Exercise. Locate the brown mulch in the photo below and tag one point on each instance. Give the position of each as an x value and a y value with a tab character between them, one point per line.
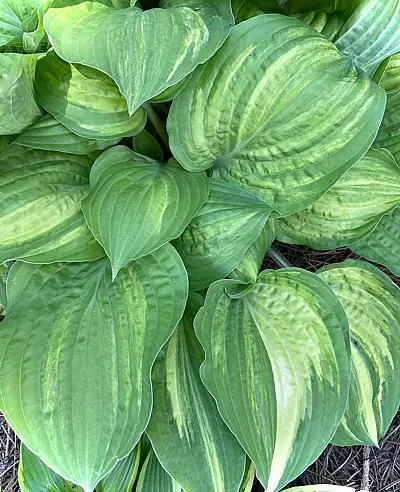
337	465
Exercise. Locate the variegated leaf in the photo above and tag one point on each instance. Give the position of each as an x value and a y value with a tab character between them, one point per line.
271	390
153	477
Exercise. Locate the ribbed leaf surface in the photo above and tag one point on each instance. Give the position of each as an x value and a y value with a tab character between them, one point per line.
41	218
153	477
76	361
351	209
277	111
372	305
217	239
389	133
271	390
136	206
186	431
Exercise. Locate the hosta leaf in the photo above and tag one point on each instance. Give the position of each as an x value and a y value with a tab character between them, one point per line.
245	9
123	475
389	133
271	390
351	209
153	477
4	140
217	239
248	478
249	268
171	92
85	100
3	280
144	52
390	80
345	6
328	25
372	33
382	245
33	475
49	134
372	305
285	132
18	108
136	206
146	144
186	431
75	386
41	218
321	488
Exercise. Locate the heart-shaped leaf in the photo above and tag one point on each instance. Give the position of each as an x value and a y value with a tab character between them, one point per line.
351	209
144	52
76	361
18	108
372	304
271	390
41	218
49	134
186	431
85	100
278	111
382	245
372	33
136	206
217	239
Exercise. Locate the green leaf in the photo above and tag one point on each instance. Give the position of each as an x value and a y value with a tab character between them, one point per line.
372	304
390	80
249	268
321	488
75	362
245	9
171	92
389	133
345	6
18	108
328	25
217	239
351	209
186	431
172	42
4	140
145	144
123	475
33	475
41	219
248	478
153	477
382	245
272	391
136	206
48	134
372	33
4	268
85	100
286	132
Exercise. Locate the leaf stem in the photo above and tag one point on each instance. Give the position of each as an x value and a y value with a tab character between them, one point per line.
278	258
156	122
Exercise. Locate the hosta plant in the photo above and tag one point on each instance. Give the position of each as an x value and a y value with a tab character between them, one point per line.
150	154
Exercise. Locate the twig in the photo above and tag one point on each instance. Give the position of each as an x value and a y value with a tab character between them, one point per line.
278	258
156	122
365	483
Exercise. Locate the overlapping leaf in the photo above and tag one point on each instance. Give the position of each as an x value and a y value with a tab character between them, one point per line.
328	24
277	111
345	6
18	108
41	218
217	239
372	305
49	134
147	145
136	206
389	133
249	268
144	52
153	477
76	360
123	475
85	100
186	431
382	245
372	33
390	80
271	390
351	209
